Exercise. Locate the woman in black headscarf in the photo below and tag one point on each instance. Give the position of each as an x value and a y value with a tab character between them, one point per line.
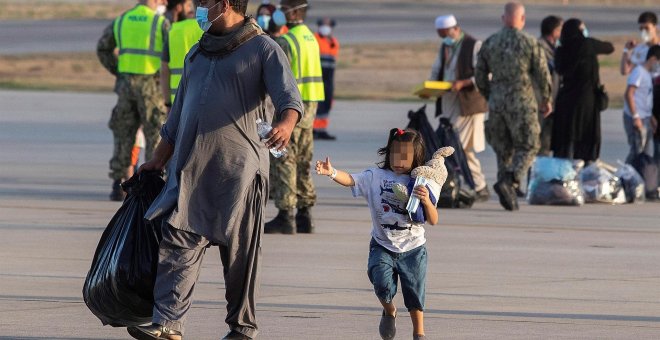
576	130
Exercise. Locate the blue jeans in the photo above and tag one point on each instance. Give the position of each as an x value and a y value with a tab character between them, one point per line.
386	268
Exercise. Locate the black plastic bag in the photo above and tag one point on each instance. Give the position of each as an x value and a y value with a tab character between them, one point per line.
119	286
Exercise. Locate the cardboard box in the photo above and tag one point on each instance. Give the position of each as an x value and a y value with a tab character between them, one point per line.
432	88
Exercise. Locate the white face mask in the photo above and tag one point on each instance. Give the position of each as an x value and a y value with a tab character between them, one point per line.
161	9
325	30
645	36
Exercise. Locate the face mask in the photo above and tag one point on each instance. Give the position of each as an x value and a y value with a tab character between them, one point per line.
557	43
585	32
325	30
202	16
645	36
448	41
161	9
279	18
263	21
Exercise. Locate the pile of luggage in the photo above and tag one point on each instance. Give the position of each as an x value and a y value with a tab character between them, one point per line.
552	181
556	181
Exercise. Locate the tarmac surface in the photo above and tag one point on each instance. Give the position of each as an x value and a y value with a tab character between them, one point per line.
358	22
586	272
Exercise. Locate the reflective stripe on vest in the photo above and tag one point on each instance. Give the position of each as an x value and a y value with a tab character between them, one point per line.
328	61
183	35
139	37
306	63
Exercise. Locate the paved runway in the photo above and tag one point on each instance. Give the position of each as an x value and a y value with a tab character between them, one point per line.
543	272
359	22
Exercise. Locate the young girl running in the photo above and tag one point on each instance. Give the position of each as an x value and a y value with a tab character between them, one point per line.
397	248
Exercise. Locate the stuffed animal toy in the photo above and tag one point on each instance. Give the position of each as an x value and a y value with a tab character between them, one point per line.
434	170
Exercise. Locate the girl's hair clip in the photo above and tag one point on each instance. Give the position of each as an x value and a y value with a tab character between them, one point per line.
399	132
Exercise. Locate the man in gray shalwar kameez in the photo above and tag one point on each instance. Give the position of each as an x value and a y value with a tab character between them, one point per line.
218	167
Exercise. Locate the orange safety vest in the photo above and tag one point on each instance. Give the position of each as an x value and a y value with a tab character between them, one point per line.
329	49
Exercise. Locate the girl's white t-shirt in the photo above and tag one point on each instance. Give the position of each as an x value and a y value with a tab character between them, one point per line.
391	225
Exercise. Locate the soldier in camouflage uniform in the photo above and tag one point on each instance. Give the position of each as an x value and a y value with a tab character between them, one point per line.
140	102
513	60
291	181
292	184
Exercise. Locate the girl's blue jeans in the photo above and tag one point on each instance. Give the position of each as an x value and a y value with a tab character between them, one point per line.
386	268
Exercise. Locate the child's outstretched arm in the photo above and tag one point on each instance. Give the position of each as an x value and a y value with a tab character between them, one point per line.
341	177
430	210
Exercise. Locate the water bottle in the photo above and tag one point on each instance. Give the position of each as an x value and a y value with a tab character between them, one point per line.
263	128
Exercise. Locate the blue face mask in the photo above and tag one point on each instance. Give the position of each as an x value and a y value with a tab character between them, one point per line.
202	16
585	32
448	41
263	21
279	18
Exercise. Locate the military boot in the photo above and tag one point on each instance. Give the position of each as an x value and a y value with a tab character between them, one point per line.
304	222
283	223
516	190
506	192
117	193
519	192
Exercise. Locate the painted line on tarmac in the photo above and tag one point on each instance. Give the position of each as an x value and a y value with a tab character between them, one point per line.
530	315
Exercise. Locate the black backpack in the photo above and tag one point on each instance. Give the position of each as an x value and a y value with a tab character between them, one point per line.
454	193
457	192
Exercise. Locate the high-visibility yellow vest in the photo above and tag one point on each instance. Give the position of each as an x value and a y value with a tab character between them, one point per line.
183	35
139	37
306	63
